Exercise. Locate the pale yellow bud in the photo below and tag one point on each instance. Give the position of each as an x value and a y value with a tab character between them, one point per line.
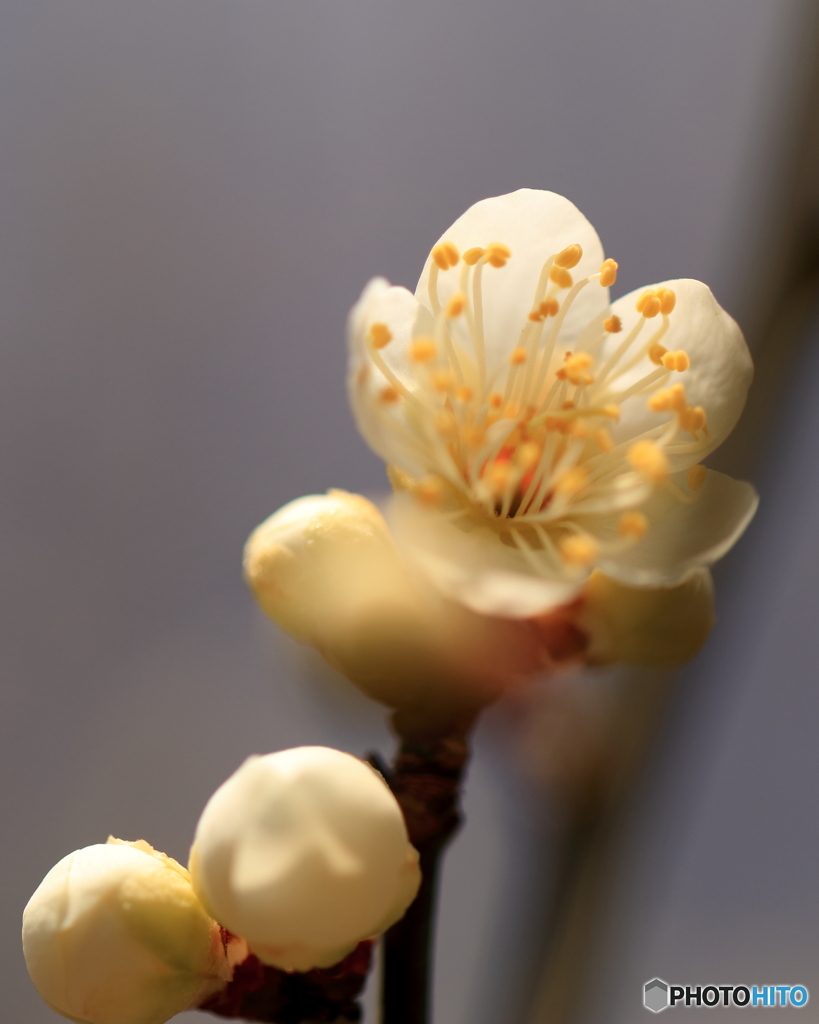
304	853
116	935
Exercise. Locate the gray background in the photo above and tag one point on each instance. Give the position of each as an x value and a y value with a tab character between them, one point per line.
192	194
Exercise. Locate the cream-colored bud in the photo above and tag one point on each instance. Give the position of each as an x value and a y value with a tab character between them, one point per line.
315	558
115	934
304	853
663	626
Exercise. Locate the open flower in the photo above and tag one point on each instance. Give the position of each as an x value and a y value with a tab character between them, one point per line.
534	432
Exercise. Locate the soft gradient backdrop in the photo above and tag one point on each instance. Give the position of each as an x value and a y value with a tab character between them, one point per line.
192	194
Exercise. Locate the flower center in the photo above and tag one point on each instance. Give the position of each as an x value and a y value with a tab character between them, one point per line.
522	441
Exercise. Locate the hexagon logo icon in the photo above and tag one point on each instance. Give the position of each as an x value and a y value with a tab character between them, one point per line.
655	995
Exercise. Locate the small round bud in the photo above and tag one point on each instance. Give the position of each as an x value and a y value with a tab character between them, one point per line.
304	853
115	934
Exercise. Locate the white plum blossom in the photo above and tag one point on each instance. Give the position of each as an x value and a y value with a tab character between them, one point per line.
304	853
533	431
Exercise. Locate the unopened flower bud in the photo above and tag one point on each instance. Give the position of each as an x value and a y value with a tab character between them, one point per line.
115	934
304	853
662	626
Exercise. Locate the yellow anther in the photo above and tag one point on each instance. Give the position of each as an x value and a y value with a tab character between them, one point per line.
499	477
613	325
452	252
445	422
649	460
497	254
632	525
562	278
608	273
517	356
656	353
579	549
528	455
422	350
443	380
668	300
464	393
455	306
548	307
611	412
649	304
668	398
380	335
388	395
578	428
696	477
693	419
571	481
429	490
495	400
471	256
569	257
603	440
576	369
565	406
678	360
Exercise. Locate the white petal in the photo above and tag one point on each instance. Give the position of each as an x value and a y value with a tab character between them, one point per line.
474	567
719	375
384	426
534	225
681	537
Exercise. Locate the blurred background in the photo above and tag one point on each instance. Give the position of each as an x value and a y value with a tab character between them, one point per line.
192	195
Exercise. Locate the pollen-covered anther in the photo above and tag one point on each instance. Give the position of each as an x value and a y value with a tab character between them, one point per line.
569	257
611	412
577	369
608	273
445	255
678	360
517	356
499	477
693	419
443	380
429	490
632	525
388	395
380	335
579	549
613	325
667	399
549	307
668	300
560	276
649	304
423	350
496	254
571	481
527	455
649	460
464	393
495	400
578	428
455	305
656	352
471	256
696	476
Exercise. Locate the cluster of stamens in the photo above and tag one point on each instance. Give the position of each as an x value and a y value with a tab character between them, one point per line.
525	445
